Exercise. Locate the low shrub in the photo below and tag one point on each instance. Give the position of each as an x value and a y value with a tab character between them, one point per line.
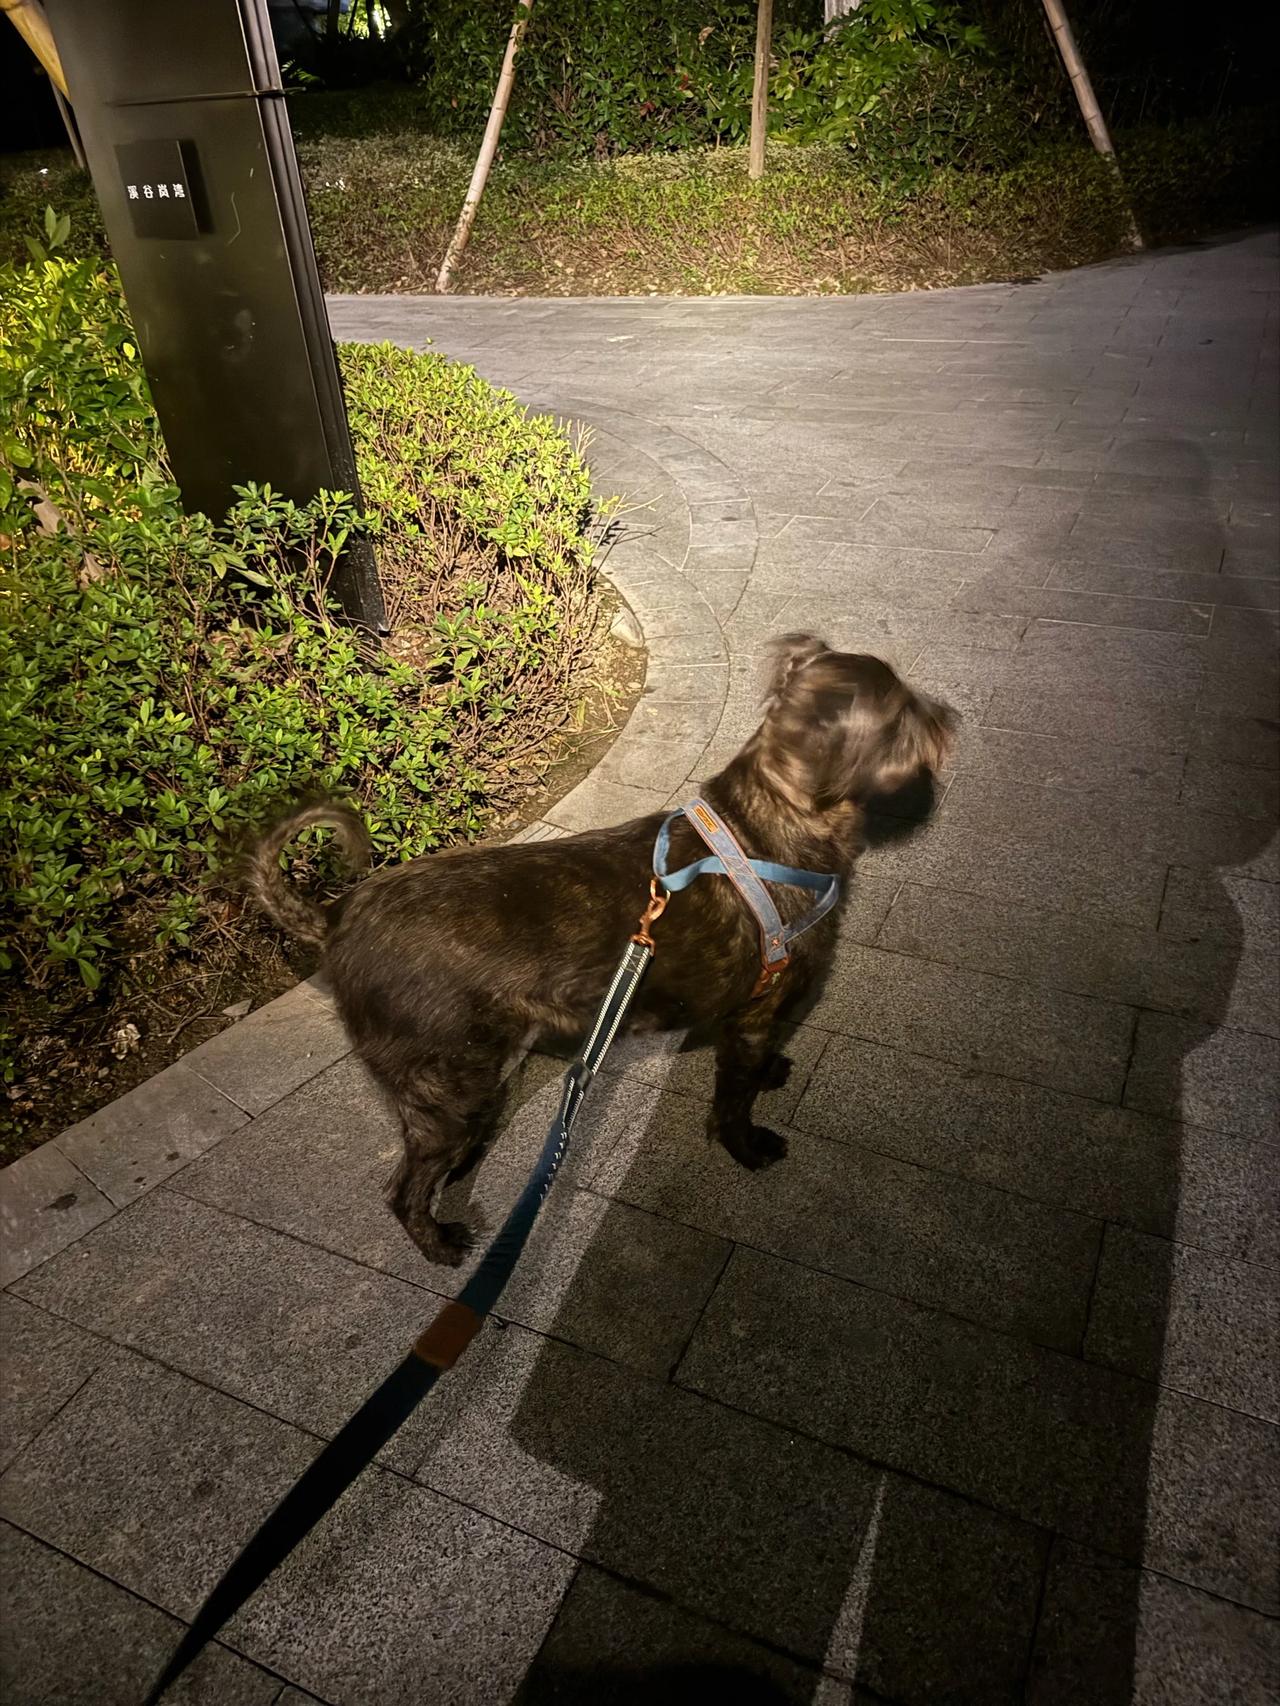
165	681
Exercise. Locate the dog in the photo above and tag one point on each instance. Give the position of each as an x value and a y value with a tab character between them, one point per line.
447	969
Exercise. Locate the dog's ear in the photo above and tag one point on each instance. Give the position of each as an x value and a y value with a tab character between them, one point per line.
787	657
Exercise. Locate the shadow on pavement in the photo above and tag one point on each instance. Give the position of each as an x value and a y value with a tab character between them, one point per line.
952	1524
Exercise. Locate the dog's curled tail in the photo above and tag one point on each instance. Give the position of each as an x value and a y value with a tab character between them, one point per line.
267	885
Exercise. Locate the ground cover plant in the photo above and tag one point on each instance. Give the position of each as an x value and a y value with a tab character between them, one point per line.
164	682
383	207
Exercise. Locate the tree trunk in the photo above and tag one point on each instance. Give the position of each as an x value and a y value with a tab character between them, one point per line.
488	148
760	88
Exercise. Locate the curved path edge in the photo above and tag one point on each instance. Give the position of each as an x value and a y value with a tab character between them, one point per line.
75	1181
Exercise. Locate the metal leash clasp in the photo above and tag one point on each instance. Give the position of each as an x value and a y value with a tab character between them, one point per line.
658	898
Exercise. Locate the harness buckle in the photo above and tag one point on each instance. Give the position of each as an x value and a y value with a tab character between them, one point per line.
770	972
658	898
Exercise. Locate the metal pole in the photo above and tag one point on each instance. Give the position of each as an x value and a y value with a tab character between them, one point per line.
181	111
488	148
760	89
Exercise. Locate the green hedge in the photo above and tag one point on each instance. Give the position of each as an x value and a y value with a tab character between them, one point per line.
602	77
165	682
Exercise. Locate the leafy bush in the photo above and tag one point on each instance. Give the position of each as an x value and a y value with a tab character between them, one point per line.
1187	179
597	79
907	84
163	681
28	183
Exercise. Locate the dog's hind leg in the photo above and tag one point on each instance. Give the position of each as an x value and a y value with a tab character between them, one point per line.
443	1140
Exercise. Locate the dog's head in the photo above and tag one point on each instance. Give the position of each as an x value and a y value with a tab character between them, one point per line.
841	726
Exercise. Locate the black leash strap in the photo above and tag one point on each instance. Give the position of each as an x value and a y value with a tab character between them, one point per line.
351	1451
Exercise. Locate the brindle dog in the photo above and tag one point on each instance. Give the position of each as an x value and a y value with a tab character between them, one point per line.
447	970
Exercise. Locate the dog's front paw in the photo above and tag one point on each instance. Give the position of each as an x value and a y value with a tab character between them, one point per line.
453	1243
755	1146
776	1072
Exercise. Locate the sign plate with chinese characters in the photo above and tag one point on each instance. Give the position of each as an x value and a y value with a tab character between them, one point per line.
158	179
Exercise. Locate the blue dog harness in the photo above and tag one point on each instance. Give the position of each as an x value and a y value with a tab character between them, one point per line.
748	876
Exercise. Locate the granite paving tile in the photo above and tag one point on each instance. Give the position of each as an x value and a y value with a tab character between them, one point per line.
608	1277
256	1062
1152	585
1108	646
1092	609
1221	1193
74	1638
614	1645
1092	713
247	1310
156	1482
1224	1080
1193	1320
316	1165
153	1480
1052	1038
1090	1453
145	1136
1141	773
1234	788
45	1204
844	1208
1221	906
964	677
1022	870
676	1061
1112	829
1059	950
46	1362
1110	1635
760	1530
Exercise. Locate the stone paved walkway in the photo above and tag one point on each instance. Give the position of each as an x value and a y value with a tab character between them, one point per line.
974	1398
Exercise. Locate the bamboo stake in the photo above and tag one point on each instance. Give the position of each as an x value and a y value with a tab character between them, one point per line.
27	17
488	148
760	88
1087	101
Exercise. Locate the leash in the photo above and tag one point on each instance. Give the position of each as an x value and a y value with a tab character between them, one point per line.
435	1351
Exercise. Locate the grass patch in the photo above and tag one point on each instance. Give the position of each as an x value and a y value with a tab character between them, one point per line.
383	207
165	683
